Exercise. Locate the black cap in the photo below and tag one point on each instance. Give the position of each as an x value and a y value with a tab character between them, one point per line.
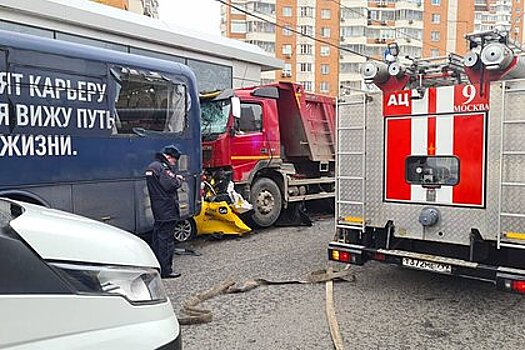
171	150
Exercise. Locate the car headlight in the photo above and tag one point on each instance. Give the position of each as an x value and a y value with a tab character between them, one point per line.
137	284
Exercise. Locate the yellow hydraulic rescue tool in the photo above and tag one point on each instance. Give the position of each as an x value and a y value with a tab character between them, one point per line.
220	217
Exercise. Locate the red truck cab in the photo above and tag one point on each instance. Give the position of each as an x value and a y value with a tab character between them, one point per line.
267	137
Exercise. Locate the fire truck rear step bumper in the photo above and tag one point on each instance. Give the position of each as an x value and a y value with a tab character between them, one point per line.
503	277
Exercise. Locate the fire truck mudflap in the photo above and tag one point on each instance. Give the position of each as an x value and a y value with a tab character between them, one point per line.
430	172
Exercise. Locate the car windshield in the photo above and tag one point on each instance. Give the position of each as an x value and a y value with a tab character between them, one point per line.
214	116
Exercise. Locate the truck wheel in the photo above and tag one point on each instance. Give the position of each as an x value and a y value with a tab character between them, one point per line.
185	231
267	202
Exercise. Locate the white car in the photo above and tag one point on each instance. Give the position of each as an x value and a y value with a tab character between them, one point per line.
68	282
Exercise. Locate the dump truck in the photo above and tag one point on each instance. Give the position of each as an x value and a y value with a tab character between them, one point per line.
430	169
275	142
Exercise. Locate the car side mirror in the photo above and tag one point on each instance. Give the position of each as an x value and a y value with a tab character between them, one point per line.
236	107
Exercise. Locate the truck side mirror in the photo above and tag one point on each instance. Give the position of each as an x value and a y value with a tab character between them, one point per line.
236	107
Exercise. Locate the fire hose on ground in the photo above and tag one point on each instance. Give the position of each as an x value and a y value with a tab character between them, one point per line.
192	314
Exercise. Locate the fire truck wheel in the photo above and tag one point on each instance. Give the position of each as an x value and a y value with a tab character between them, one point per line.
185	231
267	202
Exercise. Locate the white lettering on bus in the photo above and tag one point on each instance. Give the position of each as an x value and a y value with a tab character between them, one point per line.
90	118
43	116
39	145
101	92
47	87
4	114
33	86
5	82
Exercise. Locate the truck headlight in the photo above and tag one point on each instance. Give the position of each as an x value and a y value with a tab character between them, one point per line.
136	284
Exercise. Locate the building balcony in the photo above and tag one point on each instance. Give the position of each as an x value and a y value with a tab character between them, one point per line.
409	5
409	23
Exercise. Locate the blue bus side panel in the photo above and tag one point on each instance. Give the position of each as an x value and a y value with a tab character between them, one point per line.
56	142
110	202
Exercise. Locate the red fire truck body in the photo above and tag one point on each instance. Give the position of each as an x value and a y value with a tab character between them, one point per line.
433	178
278	147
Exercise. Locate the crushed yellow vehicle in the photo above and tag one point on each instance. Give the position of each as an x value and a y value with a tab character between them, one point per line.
219	218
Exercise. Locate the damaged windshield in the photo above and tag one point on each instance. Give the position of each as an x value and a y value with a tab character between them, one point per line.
214	116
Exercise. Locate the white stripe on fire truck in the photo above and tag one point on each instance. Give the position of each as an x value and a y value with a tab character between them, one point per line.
444	134
444	147
445	99
420	105
419	141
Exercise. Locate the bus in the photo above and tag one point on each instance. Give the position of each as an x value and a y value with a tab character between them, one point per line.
79	125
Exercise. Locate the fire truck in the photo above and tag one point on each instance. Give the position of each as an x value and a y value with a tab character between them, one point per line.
275	142
431	169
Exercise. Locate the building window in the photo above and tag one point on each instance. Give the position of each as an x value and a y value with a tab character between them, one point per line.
434	53
287	50
238	27
287	31
239	5
306	11
435	36
325	69
287	11
305	67
305	49
260	27
326	13
436	18
306	30
307	85
352	31
349	67
267	46
325	50
436	2
324	87
287	70
325	32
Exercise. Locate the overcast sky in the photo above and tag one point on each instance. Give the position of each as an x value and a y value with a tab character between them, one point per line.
201	15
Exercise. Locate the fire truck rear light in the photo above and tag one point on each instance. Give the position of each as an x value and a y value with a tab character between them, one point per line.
518	286
379	257
508	284
345	256
335	254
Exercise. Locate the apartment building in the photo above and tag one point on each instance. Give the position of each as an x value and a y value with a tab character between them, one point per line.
501	14
286	28
367	26
422	28
144	7
446	22
342	28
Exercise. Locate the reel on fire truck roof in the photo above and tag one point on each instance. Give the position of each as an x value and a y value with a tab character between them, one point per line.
492	56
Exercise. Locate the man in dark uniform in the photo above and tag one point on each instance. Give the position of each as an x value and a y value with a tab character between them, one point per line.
163	184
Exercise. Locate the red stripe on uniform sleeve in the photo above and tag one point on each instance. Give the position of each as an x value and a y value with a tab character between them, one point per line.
398	148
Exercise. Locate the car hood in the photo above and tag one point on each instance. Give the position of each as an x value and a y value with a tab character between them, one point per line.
58	235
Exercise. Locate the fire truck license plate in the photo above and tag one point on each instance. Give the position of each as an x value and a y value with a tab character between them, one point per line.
426	265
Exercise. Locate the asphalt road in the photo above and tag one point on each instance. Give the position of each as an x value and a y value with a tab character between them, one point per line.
386	308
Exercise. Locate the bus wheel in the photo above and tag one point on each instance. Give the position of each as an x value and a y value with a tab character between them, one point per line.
267	201
185	231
